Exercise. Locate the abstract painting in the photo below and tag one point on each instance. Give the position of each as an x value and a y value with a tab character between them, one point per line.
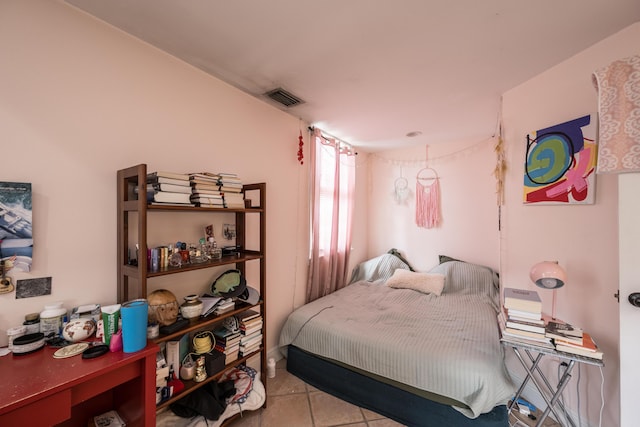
560	162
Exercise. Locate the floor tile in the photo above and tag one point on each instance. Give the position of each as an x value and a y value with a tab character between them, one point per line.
385	422
285	383
370	415
330	411
248	419
287	411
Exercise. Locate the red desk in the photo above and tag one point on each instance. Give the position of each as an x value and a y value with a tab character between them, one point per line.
38	390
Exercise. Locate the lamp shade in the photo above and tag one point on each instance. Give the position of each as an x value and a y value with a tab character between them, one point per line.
548	275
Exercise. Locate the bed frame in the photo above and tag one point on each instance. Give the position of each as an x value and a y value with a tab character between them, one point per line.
392	402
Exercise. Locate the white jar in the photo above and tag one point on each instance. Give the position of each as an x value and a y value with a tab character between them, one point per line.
52	319
13	333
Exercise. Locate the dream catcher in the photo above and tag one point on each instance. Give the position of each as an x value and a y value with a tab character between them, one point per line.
401	190
427	197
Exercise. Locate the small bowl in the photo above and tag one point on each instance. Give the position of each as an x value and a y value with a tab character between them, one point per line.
79	329
192	307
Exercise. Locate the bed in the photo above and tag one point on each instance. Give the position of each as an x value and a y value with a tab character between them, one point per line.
420	348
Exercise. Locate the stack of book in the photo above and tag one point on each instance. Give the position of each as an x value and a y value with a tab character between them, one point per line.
251	331
168	188
231	187
571	339
227	342
204	190
521	320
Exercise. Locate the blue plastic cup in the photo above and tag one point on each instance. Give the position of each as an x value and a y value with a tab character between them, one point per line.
134	325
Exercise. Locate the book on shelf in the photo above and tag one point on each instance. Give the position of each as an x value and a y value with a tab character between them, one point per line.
527	316
170	188
525	326
204	177
247	315
171	175
169	197
532	338
229	348
205	191
172	352
564	328
206	198
523	341
526	334
230	190
539	322
246	351
523	300
248	330
250	339
224	333
564	332
163	180
587	349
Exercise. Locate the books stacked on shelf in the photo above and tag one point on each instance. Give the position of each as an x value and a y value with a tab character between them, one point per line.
522	318
204	190
250	323
231	187
168	188
588	348
227	342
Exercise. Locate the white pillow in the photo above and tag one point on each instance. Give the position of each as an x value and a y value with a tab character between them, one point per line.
428	283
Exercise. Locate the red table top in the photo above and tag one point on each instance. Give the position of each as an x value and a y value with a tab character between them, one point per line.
29	377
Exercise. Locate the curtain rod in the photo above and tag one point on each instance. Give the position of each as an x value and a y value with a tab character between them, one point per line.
312	128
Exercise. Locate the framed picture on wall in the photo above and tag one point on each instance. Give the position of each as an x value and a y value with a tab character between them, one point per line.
16	234
560	161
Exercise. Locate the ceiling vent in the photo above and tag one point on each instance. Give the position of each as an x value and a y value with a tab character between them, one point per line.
283	97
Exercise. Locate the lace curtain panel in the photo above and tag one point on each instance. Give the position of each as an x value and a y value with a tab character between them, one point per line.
618	86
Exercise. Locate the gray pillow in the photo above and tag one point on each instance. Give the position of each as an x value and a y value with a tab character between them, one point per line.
381	267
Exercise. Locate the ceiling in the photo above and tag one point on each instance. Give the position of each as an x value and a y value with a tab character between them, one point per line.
372	71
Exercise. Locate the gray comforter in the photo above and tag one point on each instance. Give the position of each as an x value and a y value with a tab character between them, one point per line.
447	344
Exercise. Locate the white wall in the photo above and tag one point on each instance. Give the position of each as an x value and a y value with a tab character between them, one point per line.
79	100
582	238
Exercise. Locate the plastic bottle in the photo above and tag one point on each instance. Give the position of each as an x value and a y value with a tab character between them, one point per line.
271	368
52	319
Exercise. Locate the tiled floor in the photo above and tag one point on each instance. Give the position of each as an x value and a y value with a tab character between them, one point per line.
292	403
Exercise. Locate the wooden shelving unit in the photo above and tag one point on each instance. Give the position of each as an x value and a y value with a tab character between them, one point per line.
132	279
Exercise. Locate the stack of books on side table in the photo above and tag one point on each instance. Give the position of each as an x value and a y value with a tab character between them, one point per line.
571	339
521	320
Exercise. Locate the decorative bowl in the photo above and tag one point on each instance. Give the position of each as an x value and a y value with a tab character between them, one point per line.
192	307
79	329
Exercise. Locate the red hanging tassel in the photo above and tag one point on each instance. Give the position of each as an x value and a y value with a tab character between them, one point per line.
300	144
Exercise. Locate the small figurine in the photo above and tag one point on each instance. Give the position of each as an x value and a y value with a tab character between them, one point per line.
201	372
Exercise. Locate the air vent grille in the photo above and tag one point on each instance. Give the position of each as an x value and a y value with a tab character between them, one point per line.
283	97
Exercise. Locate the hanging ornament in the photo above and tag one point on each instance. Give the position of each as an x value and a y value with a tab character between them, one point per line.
300	145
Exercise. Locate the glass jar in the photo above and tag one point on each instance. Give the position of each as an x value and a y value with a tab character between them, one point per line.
214	251
191	308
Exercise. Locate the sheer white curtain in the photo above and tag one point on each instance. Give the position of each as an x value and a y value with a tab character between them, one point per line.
332	188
